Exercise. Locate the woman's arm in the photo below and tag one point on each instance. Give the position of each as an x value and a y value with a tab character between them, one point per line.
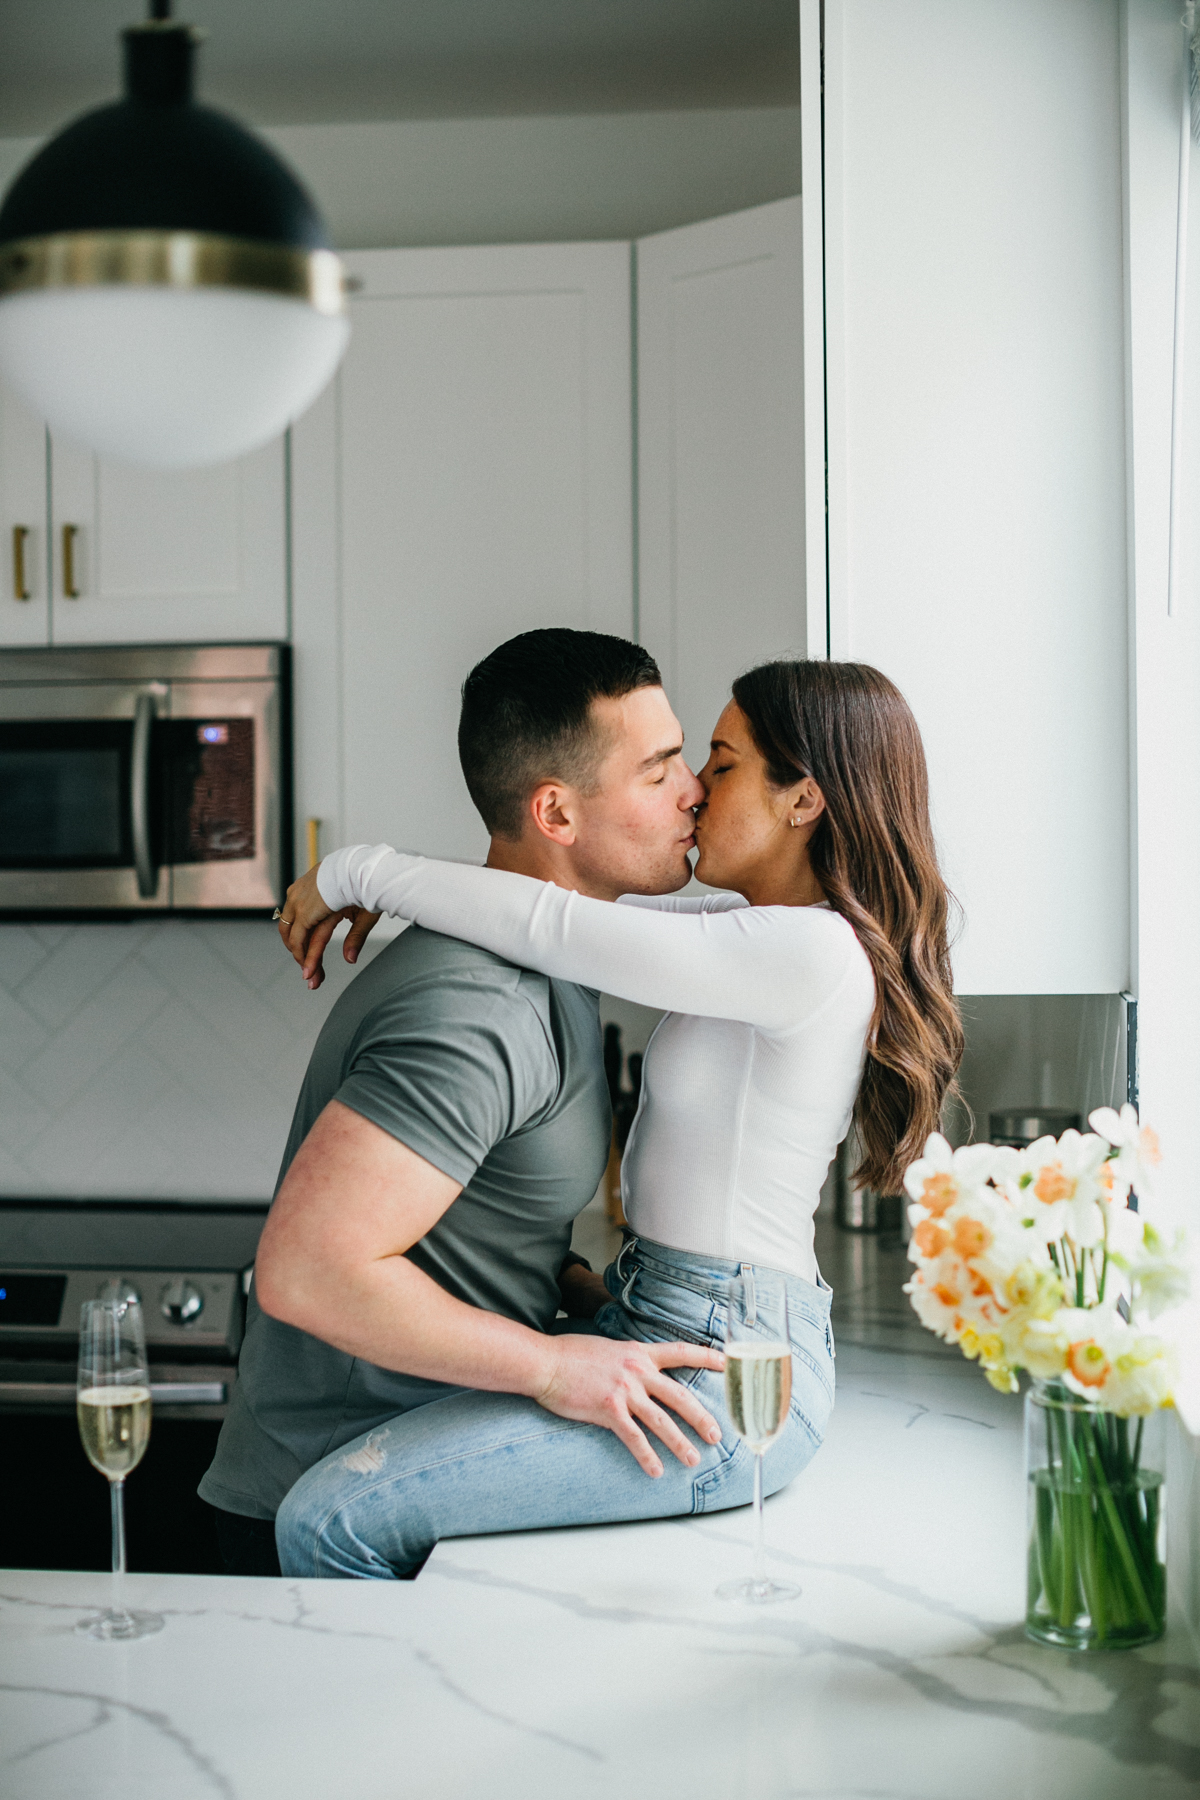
771	966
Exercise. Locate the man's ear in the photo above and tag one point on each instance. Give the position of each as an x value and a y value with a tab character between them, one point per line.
552	809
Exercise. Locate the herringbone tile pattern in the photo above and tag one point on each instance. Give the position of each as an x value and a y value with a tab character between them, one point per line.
157	1059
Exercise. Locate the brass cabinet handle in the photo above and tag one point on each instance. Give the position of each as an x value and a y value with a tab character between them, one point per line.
20	590
313	830
70	590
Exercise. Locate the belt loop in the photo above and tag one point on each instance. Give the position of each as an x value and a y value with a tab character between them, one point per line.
621	1273
746	1271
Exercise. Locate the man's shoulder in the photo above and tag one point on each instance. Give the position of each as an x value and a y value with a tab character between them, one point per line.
417	955
422	975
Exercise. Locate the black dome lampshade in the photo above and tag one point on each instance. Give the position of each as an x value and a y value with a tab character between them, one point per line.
168	294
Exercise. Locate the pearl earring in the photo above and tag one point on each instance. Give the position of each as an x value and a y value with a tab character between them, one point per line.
793	823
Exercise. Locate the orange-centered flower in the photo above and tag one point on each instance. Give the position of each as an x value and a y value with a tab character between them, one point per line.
930	1237
946	1294
939	1193
1054	1184
1088	1363
971	1237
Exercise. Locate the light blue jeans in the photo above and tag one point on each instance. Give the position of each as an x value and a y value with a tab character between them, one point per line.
473	1462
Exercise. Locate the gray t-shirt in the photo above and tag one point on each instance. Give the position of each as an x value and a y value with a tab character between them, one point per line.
494	1075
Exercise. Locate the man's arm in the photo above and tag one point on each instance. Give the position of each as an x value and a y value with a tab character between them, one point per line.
332	1262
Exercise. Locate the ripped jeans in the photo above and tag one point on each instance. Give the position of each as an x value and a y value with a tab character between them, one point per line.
471	1462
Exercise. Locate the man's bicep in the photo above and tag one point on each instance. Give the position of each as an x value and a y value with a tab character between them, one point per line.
354	1193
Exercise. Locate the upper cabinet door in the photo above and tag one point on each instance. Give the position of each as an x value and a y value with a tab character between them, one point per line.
190	556
977	362
721	455
24	609
485	451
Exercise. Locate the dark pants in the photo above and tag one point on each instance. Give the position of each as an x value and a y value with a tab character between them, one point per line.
247	1546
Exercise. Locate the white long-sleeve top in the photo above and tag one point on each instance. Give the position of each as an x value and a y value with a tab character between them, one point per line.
748	1082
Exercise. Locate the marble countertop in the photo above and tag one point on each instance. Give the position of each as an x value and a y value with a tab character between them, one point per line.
598	1662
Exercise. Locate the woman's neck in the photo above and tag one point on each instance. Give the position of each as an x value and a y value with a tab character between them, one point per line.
799	887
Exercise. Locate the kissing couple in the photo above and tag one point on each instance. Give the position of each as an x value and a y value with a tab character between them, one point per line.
405	1375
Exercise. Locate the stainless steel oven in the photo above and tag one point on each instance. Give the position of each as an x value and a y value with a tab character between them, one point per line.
189	1265
152	779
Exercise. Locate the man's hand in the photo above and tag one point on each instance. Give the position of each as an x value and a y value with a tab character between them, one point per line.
307	925
616	1383
331	1261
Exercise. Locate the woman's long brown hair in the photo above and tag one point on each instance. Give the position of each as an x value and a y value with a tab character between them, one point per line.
873	853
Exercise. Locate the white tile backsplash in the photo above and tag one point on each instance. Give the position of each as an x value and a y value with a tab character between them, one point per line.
156	1059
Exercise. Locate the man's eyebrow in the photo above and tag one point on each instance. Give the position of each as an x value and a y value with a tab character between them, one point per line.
661	756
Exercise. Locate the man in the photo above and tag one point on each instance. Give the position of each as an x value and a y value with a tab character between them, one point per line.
454	1120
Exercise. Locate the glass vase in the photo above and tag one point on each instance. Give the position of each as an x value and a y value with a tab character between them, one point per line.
1097	1529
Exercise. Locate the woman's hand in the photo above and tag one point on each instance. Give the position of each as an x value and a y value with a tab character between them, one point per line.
306	925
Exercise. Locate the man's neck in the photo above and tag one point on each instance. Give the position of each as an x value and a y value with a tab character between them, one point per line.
543	860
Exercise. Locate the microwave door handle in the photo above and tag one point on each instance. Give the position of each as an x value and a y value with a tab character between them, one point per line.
139	797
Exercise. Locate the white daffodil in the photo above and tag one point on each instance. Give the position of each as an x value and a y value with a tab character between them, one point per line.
1058	1190
1037	1344
1142	1377
1159	1273
1136	1145
942	1176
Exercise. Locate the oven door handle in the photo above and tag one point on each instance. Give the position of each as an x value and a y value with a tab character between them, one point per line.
162	1393
139	797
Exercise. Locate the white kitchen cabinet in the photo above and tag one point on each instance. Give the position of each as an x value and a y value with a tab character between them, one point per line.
977	446
721	428
480	444
150	556
24	602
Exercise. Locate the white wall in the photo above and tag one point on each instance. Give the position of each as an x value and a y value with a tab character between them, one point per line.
975	329
530	180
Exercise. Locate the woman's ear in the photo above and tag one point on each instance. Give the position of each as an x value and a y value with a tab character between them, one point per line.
806	802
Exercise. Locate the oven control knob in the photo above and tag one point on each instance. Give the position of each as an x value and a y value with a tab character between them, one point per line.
182	1303
119	1290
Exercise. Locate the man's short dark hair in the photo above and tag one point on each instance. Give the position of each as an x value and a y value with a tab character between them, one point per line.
526	716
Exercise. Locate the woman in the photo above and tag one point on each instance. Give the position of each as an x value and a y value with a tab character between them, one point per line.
815	991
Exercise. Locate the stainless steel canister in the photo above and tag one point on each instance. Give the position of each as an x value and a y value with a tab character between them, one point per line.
863	1208
1022	1125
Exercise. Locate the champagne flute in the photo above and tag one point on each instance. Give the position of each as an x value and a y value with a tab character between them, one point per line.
758	1390
112	1404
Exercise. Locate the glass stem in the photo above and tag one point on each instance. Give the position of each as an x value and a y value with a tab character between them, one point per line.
117	1496
760	1541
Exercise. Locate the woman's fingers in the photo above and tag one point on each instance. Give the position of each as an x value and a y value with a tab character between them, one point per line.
314	969
362	925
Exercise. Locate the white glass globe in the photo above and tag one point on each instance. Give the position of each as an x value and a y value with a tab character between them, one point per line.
169	378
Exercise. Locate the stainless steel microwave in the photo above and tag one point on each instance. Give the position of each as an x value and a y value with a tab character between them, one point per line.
146	780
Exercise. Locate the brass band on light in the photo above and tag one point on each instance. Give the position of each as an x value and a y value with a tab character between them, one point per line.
177	259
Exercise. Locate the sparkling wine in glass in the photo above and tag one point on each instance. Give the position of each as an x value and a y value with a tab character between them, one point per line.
758	1390
112	1404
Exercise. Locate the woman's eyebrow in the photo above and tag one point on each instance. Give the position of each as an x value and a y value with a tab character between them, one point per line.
720	744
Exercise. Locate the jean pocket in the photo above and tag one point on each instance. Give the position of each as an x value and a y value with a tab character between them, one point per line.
730	1483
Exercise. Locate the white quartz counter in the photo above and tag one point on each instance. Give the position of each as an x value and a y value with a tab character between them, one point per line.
599	1663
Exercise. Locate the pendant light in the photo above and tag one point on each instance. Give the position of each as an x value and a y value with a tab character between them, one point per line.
168	295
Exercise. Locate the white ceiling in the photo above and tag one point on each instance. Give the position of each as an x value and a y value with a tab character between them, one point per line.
306	61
